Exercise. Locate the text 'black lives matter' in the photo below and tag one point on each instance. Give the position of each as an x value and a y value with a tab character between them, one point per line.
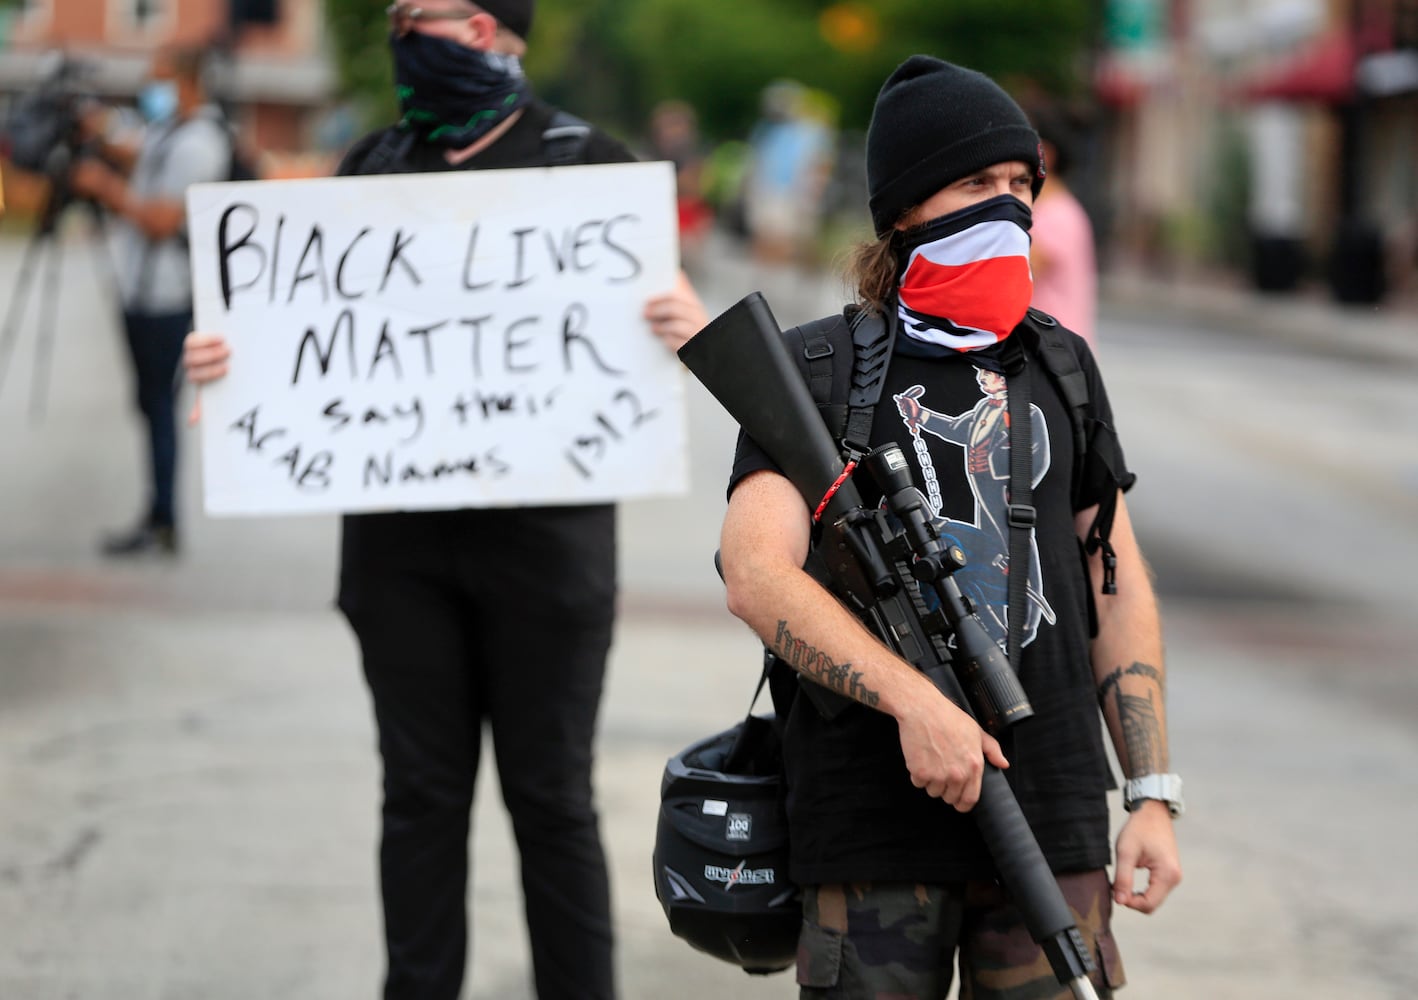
265	261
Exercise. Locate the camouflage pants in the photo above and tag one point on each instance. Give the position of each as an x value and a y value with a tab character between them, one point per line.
899	942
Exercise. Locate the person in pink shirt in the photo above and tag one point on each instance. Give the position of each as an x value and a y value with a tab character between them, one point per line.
1062	255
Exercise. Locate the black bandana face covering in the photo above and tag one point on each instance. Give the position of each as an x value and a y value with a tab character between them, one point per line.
452	95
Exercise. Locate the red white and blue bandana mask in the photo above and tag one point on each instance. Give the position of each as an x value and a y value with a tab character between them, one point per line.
967	283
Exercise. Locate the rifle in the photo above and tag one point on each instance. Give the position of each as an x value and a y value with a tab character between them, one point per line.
881	562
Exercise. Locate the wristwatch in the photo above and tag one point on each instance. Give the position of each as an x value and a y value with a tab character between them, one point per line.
1162	787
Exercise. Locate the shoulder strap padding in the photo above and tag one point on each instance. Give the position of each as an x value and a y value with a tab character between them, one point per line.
817	347
844	360
385	152
565	138
871	356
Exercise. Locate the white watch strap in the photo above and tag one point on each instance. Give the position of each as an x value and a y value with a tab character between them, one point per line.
1162	787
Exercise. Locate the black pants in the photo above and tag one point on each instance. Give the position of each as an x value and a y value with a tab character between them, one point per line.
503	616
155	346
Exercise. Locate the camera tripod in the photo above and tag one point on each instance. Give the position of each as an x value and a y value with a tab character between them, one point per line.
43	250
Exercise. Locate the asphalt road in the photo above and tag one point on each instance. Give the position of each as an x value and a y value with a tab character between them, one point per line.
188	786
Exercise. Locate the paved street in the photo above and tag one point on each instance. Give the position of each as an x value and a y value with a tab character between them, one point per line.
188	783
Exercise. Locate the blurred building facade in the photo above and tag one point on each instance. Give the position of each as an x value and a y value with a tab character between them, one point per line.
272	71
1280	136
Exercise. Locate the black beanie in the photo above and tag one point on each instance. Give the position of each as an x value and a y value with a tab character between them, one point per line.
933	123
514	15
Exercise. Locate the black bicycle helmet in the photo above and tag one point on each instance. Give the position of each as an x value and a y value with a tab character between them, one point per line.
721	850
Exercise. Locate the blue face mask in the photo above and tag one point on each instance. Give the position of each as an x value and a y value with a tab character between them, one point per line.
158	100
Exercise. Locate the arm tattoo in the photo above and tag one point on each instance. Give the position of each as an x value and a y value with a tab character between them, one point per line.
1137	670
1109	682
1137	716
1142	734
1146	670
816	665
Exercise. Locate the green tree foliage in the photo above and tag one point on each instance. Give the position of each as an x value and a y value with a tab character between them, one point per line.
359	40
720	55
611	60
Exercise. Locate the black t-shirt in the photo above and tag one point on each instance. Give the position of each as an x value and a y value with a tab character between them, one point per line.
853	812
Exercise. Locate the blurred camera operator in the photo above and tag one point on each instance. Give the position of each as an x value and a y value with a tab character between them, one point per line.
143	189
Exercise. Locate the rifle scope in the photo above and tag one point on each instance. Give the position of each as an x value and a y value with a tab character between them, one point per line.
981	665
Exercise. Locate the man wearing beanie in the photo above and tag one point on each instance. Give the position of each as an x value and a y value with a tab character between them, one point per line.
882	770
503	614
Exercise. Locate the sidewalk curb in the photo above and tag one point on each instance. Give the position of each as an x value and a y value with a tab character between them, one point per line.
1383	334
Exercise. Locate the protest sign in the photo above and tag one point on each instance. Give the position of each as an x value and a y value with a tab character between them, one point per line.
435	341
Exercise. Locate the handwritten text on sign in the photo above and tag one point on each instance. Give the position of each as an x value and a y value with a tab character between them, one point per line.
450	340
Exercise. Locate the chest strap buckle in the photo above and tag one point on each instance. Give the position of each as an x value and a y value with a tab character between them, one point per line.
1022	515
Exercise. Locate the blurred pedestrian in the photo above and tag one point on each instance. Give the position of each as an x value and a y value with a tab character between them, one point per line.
674	136
881	767
790	162
185	142
501	615
723	183
1062	254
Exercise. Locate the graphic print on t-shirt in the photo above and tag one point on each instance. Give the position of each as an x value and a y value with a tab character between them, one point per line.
982	433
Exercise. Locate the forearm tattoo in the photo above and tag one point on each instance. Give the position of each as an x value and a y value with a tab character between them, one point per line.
818	666
1138	719
1137	670
1142	733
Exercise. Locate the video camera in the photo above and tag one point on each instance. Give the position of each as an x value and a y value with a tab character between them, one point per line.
41	132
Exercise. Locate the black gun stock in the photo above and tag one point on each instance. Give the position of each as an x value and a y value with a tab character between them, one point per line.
741	359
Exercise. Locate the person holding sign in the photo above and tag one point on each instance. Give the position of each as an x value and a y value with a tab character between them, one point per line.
501	614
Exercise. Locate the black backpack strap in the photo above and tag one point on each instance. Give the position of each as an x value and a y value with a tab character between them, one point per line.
388	154
846	395
565	139
818	353
817	347
1051	346
1059	360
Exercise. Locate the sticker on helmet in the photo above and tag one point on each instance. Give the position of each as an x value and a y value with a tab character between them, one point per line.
739	875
